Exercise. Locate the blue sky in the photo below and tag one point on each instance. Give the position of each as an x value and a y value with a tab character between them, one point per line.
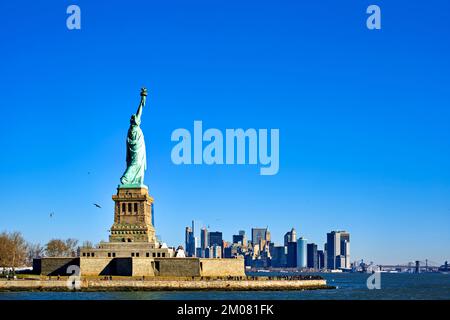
363	118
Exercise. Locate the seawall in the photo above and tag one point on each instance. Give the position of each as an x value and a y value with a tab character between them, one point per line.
163	285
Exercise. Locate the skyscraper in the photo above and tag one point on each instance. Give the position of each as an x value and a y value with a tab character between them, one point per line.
203	238
215	239
258	234
278	256
320	259
217	251
190	241
345	249
290	236
291	255
312	256
338	250
301	252
242	239
293	235
187	239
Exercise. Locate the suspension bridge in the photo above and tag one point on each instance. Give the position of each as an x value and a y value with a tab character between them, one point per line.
417	266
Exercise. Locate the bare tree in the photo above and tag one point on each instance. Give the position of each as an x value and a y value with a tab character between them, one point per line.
87	245
34	251
56	248
13	250
4	249
72	247
61	248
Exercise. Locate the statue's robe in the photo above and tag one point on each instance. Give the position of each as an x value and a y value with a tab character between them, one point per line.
136	157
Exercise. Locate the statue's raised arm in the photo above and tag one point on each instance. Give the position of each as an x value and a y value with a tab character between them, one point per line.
141	104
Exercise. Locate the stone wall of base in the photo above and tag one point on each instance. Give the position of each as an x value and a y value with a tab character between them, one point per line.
221	267
177	267
163	267
97	266
53	266
143	267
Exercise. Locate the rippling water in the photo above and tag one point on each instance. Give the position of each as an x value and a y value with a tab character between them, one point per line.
349	286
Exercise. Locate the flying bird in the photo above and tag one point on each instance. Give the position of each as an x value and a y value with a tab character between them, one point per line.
51	214
97	205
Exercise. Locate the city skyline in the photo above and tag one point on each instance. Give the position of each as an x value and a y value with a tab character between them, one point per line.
259	251
362	116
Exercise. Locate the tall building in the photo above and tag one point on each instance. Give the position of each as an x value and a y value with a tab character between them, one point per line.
338	250
215	239
203	238
312	256
320	259
209	252
290	236
301	252
192	242
258	234
291	260
217	251
187	239
238	238
345	249
278	256
267	235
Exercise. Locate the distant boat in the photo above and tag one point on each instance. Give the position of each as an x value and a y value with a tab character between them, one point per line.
262	270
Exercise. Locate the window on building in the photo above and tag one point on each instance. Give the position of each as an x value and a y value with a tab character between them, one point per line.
93	254
163	255
135	207
159	255
123	208
109	254
153	254
114	254
88	254
147	254
132	254
84	254
129	207
137	254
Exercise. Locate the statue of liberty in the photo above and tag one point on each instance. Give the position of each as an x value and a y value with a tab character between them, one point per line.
136	158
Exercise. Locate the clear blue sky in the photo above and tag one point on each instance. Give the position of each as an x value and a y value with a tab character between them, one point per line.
363	116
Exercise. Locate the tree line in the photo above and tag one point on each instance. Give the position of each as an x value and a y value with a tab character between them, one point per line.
16	252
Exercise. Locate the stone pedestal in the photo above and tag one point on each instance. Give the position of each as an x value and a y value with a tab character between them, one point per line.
133	212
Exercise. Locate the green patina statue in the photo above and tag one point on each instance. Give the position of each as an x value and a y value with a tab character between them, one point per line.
133	176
